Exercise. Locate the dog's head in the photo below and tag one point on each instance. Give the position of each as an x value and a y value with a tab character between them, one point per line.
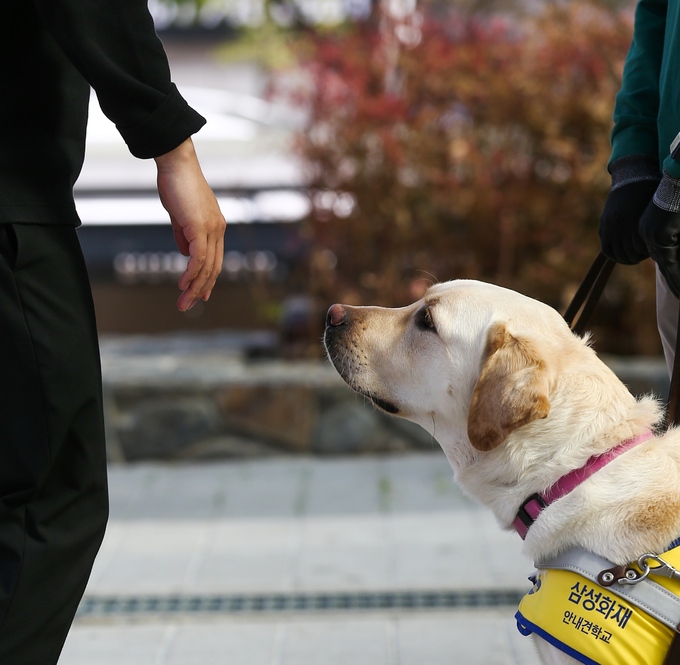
470	362
515	399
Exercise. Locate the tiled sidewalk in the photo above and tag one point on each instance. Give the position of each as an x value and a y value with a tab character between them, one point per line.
300	526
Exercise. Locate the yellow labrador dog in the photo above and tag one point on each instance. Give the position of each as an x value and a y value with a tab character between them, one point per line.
522	406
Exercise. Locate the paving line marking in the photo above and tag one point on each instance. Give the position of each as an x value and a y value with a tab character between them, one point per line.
96	606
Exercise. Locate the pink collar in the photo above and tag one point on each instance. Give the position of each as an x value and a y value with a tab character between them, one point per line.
530	510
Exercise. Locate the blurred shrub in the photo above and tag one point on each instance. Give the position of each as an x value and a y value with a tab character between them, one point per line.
467	146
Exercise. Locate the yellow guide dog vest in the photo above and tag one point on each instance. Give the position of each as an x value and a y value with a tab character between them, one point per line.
592	624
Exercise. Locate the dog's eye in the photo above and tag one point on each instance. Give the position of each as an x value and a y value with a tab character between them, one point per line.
425	319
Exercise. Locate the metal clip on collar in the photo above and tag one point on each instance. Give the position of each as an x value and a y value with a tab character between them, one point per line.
631	576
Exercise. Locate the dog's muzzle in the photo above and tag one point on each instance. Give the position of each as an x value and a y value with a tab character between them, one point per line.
346	355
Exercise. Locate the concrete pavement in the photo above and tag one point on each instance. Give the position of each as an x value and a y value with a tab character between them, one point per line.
300	561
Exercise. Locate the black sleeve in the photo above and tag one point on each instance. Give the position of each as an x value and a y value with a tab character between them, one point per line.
114	46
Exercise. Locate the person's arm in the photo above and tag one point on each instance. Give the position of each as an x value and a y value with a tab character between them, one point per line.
635	133
637	103
197	223
634	163
113	44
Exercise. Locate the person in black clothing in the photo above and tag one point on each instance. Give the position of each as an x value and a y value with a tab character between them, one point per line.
53	488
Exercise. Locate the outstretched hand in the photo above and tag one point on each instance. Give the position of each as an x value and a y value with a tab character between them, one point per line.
197	222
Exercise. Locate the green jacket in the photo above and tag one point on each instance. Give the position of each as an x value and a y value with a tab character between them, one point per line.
51	52
647	110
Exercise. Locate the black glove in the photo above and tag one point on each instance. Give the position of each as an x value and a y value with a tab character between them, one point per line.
634	181
660	228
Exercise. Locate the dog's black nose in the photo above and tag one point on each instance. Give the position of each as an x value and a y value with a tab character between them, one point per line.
337	315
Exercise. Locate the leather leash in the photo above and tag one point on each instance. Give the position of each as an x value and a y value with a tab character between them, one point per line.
673	410
583	303
577	315
581	307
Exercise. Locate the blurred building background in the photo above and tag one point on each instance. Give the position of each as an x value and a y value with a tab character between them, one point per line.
362	149
246	156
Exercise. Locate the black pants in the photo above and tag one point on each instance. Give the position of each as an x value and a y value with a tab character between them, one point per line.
53	494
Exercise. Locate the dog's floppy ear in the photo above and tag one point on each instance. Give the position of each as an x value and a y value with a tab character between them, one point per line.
512	390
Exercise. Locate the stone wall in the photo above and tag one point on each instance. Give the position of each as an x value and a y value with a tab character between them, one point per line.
199	397
181	398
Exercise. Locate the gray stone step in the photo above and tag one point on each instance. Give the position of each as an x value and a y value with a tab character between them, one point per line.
199	396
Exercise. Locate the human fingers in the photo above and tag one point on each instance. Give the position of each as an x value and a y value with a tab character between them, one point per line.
193	280
619	233
217	266
204	266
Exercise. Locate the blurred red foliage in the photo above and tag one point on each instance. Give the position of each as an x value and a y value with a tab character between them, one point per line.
467	146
